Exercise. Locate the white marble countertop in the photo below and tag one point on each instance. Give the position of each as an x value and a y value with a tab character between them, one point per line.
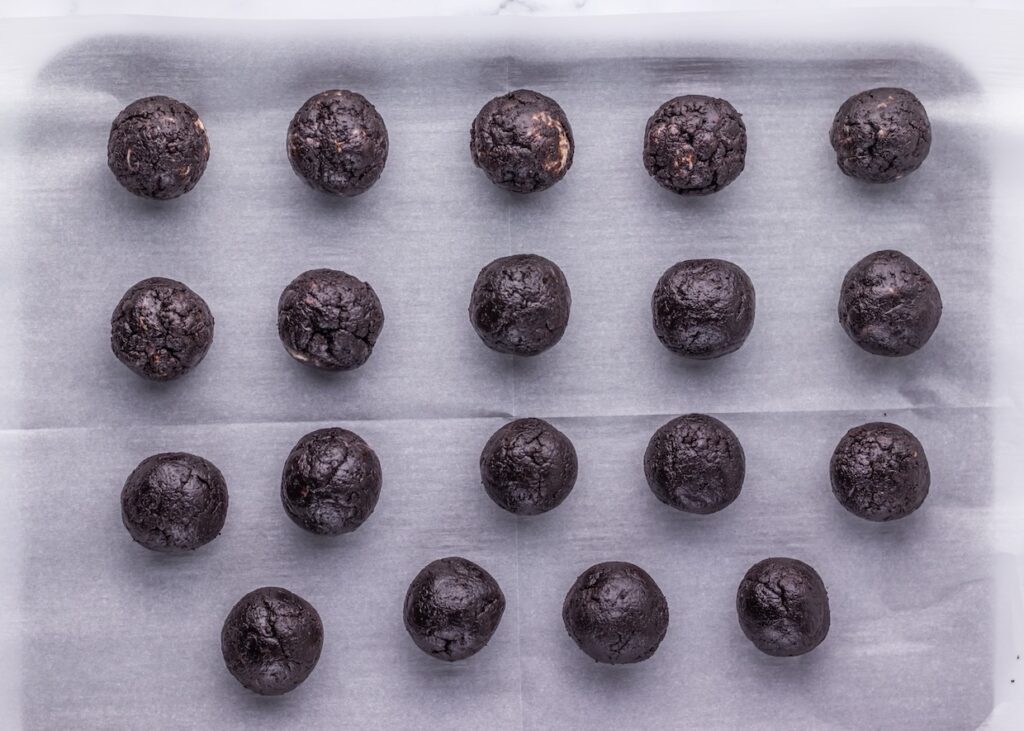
413	8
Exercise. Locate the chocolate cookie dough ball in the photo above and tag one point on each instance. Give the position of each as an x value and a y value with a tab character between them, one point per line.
520	304
331	482
522	141
880	472
161	329
329	319
528	467
337	143
703	308
888	304
452	608
880	135
174	502
783	607
271	640
158	148
616	613
695	145
695	464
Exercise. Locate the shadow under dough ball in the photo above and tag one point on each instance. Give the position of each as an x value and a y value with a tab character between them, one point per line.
881	135
879	472
695	463
329	319
452	608
174	502
616	613
889	305
337	143
271	640
695	145
520	304
703	308
331	482
528	467
158	148
522	141
783	607
161	329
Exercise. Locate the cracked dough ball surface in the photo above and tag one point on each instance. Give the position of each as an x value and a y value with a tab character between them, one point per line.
695	463
337	143
329	319
452	608
783	607
331	482
271	640
174	502
695	145
616	613
520	304
522	141
880	472
528	467
881	135
161	329
158	148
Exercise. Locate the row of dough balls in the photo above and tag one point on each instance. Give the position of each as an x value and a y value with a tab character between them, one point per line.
337	142
520	304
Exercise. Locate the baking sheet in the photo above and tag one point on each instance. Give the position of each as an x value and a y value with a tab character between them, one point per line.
107	635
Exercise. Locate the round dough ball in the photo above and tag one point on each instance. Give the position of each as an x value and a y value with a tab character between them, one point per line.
695	464
695	145
174	502
271	640
880	135
889	305
528	467
880	472
337	143
161	329
703	308
616	613
329	319
452	608
520	304
783	607
158	148
522	141
331	482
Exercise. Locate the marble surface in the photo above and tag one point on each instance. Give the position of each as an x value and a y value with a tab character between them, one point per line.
413	8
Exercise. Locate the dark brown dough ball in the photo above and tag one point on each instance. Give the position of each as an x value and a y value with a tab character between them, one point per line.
880	135
783	607
331	482
520	304
271	640
158	148
616	613
703	308
452	608
695	145
695	464
329	319
880	472
523	141
337	143
528	467
888	304
161	329
174	502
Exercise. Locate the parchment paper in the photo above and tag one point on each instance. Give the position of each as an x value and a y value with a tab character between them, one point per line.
107	635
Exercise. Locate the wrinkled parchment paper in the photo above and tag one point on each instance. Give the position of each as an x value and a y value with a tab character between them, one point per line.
98	633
